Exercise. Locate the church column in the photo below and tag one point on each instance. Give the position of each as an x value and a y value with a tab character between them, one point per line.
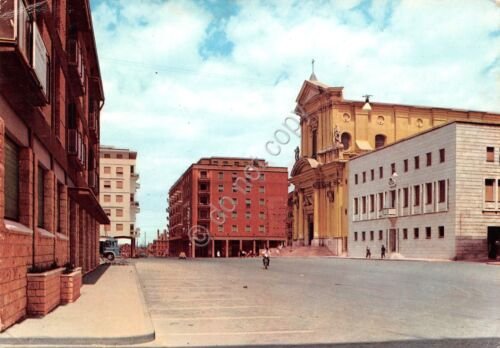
295	218
316	216
300	222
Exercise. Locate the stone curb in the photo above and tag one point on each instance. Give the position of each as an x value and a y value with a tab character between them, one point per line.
74	341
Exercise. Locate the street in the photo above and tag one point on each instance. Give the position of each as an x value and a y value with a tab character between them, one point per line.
322	300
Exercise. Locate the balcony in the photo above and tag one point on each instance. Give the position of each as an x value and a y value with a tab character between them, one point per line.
76	66
390	212
24	77
76	148
94	120
135	205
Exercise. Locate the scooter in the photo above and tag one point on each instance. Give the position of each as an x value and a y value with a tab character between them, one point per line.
265	261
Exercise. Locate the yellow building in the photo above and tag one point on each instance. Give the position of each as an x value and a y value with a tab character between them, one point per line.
333	130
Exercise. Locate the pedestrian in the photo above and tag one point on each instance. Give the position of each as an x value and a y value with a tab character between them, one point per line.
368	253
218	253
382	252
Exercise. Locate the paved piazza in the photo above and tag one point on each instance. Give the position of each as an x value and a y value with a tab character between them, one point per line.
322	300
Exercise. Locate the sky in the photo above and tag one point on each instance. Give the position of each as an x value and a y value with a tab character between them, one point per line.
191	79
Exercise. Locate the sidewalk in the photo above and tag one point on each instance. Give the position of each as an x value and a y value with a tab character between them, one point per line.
112	311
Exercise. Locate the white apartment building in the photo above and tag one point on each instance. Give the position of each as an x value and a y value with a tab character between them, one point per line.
432	195
118	186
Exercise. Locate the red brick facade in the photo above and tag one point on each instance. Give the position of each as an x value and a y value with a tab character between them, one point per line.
227	205
49	116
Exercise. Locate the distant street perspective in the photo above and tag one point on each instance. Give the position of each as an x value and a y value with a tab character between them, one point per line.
308	301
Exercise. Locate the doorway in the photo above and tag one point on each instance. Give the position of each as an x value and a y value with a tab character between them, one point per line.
493	241
392	240
310	230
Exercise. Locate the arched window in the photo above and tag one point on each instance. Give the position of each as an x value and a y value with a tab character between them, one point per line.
346	140
380	140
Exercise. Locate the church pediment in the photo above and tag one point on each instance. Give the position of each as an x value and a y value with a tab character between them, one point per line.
304	164
312	89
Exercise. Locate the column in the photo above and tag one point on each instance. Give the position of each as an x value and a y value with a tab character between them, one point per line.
254	247
193	248
227	247
213	247
300	222
316	215
241	244
295	234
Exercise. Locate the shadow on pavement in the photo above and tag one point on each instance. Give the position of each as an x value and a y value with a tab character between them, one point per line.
92	277
492	342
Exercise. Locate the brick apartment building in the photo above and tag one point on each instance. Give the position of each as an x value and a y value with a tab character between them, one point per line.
223	205
50	98
160	244
119	181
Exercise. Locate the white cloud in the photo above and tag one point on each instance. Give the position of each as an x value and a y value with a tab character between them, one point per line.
174	106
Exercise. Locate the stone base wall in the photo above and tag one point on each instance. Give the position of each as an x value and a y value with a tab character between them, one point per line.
70	286
471	248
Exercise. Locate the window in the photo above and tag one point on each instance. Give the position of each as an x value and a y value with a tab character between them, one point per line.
41	196
372	174
442	156
379	140
372	235
490	154
441	231
346	141
107	170
119	212
380	234
363	235
415	233
119	171
248	216
262	189
428	157
380	172
355	179
393	198
416	195
11	183
363	205
119	198
405	233
248	188
364	177
234	215
262	177
442	191
248	229
372	203
108	212
119	227
106	155
203	174
220	228
428	189
262	229
234	228
119	184
393	168
221	175
119	155
356	206
262	216
405	165
107	198
355	236
428	233
261	201
417	162
107	184
488	190
221	188
380	201
405	197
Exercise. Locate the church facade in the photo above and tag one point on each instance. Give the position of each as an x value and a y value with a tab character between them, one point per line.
334	130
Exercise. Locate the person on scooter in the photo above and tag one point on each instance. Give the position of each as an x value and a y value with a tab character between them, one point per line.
266	257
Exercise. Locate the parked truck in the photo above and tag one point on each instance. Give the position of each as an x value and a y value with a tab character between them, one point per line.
108	248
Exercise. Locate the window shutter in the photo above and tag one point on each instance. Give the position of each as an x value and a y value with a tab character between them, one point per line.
11	180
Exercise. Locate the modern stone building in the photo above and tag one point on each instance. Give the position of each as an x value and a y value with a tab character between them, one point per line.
224	205
432	195
334	130
119	181
50	99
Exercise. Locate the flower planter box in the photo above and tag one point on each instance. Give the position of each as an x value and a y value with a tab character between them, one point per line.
70	286
44	292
